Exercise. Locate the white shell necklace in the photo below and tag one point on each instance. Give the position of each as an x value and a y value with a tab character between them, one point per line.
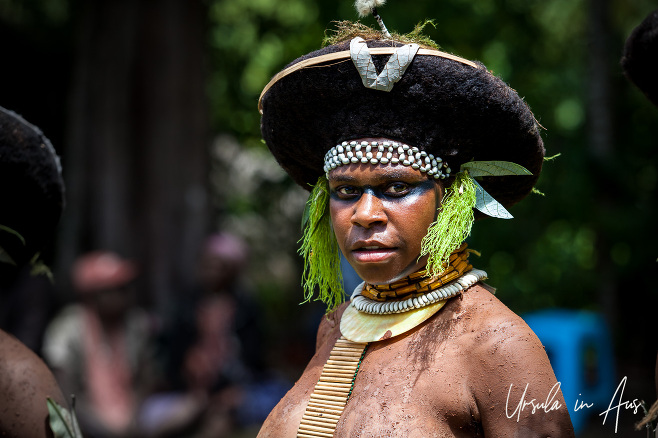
367	305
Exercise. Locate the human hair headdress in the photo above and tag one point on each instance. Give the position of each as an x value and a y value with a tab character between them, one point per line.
31	190
470	122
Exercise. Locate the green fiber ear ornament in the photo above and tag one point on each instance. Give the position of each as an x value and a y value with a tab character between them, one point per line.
320	250
455	220
452	225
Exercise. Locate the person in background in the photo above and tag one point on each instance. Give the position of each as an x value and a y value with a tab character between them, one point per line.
213	349
31	203
99	347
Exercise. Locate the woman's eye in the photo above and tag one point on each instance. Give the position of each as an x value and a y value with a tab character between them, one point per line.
397	189
346	191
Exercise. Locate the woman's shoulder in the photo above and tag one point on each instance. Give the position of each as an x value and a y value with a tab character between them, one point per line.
26	383
492	326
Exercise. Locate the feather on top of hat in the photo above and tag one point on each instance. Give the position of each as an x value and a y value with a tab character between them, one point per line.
365	7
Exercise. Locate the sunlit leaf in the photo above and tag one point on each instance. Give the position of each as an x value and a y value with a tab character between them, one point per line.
494	168
488	205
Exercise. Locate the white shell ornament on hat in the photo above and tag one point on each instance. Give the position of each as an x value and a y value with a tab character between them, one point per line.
374	152
391	73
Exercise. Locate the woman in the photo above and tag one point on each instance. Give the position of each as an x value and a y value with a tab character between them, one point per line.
31	202
390	135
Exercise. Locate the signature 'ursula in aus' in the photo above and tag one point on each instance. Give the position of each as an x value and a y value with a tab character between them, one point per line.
548	405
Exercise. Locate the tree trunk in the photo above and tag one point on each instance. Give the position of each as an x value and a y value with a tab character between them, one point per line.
135	161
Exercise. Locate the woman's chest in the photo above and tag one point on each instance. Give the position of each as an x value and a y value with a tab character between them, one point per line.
404	391
401	389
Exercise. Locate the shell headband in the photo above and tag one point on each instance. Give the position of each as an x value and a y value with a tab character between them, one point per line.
374	152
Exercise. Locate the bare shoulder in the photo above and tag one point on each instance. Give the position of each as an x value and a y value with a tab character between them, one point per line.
497	338
511	377
25	383
492	324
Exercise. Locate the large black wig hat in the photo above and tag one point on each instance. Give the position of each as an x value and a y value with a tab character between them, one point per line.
31	189
447	106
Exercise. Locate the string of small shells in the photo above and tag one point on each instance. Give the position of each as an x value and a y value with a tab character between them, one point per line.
367	305
374	152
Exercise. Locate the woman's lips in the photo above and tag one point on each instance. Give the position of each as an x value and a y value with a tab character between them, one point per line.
372	254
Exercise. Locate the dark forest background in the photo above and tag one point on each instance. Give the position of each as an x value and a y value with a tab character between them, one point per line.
152	105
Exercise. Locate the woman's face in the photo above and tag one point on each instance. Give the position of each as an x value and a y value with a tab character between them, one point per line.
380	214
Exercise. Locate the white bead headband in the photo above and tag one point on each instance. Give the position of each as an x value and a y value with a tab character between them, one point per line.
385	152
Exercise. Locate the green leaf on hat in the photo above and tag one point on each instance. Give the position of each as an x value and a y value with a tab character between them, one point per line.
494	168
488	205
63	423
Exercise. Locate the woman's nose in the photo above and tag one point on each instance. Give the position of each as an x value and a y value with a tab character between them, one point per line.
369	211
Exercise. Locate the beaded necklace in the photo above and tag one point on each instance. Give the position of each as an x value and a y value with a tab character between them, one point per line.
418	283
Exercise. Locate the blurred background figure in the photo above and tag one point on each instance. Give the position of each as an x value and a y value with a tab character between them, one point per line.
98	348
217	384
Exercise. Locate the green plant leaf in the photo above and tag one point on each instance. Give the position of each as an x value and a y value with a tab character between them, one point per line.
5	257
488	205
14	232
494	168
63	423
40	268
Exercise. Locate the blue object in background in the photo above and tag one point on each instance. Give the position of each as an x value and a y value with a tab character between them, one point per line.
350	278
579	346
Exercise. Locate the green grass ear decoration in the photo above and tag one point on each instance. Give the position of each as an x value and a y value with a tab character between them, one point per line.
452	226
320	250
